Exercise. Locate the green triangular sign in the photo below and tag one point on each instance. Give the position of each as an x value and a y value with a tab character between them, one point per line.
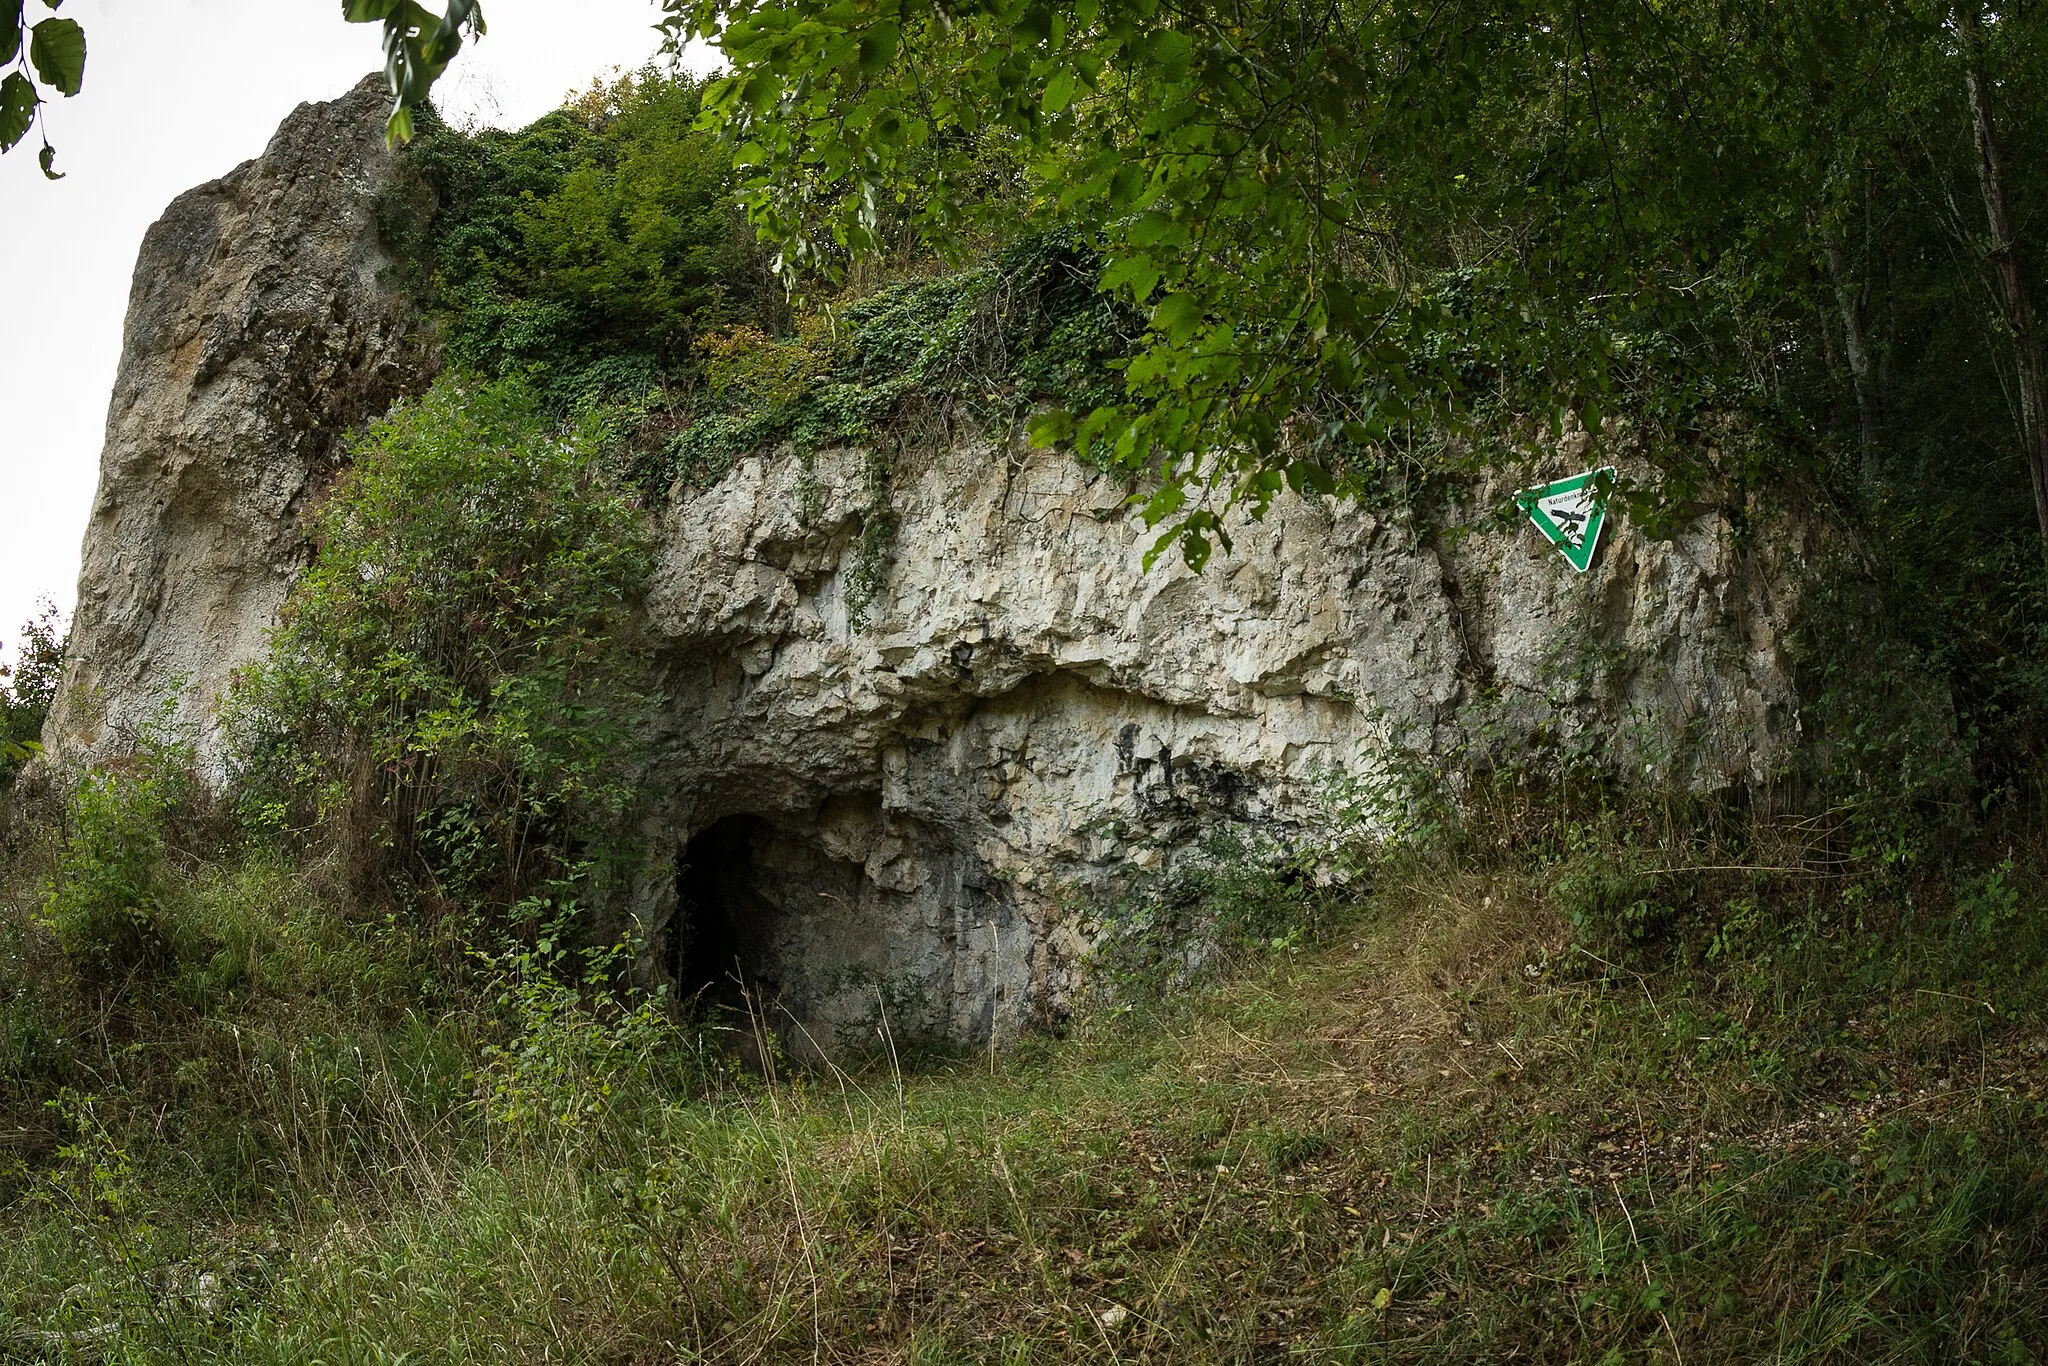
1570	513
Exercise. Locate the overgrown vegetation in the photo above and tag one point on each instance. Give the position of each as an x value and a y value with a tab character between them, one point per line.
1566	1085
907	361
455	685
599	256
584	254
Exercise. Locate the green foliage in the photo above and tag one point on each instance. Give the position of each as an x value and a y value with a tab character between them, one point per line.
1613	888
1987	902
1212	909
1305	296
1894	759
54	50
585	253
57	51
570	1049
105	901
418	45
1417	235
454	678
640	233
28	687
989	343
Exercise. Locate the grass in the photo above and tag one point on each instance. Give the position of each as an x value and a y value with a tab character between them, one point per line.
1454	1127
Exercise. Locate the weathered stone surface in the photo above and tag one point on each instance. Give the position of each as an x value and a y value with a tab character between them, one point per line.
261	327
1026	710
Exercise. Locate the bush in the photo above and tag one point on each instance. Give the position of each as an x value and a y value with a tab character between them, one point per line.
105	902
603	233
27	688
1230	899
1612	888
569	1051
455	677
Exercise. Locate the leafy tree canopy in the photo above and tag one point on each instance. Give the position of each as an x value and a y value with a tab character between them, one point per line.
586	252
1348	224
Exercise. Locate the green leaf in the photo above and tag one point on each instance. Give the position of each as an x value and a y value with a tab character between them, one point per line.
1059	91
1154	228
1172	53
1049	428
878	47
10	29
47	158
1165	503
367	11
17	108
1310	477
1125	185
1138	272
1177	315
57	48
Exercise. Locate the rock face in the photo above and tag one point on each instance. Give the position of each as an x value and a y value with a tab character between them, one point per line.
261	327
895	816
890	768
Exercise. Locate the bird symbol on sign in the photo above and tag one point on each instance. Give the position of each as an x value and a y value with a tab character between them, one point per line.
1569	513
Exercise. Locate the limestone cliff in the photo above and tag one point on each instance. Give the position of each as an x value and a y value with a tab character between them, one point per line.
889	815
261	327
906	805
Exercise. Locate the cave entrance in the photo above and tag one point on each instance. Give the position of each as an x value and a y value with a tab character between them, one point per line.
723	921
781	913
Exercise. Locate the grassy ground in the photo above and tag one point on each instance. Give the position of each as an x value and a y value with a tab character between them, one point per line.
1453	1127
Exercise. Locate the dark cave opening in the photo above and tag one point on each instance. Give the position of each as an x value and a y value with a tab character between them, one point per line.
716	939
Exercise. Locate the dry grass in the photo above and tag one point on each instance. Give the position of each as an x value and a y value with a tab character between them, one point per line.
1452	1130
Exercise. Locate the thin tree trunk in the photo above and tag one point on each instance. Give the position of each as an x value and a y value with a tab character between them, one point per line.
1852	299
2009	266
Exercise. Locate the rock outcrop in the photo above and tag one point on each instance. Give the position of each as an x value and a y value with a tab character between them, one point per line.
262	325
889	769
902	809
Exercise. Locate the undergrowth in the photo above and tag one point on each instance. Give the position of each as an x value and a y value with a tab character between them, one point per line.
1562	1085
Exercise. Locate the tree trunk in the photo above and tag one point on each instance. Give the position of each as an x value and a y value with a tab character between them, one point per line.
1852	299
2009	265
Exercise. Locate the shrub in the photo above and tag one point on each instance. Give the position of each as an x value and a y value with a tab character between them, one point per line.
1612	888
455	676
27	688
569	1050
105	901
603	232
1232	897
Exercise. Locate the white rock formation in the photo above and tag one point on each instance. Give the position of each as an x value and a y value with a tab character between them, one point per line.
904	808
261	328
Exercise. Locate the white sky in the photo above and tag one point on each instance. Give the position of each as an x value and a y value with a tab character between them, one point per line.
178	92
